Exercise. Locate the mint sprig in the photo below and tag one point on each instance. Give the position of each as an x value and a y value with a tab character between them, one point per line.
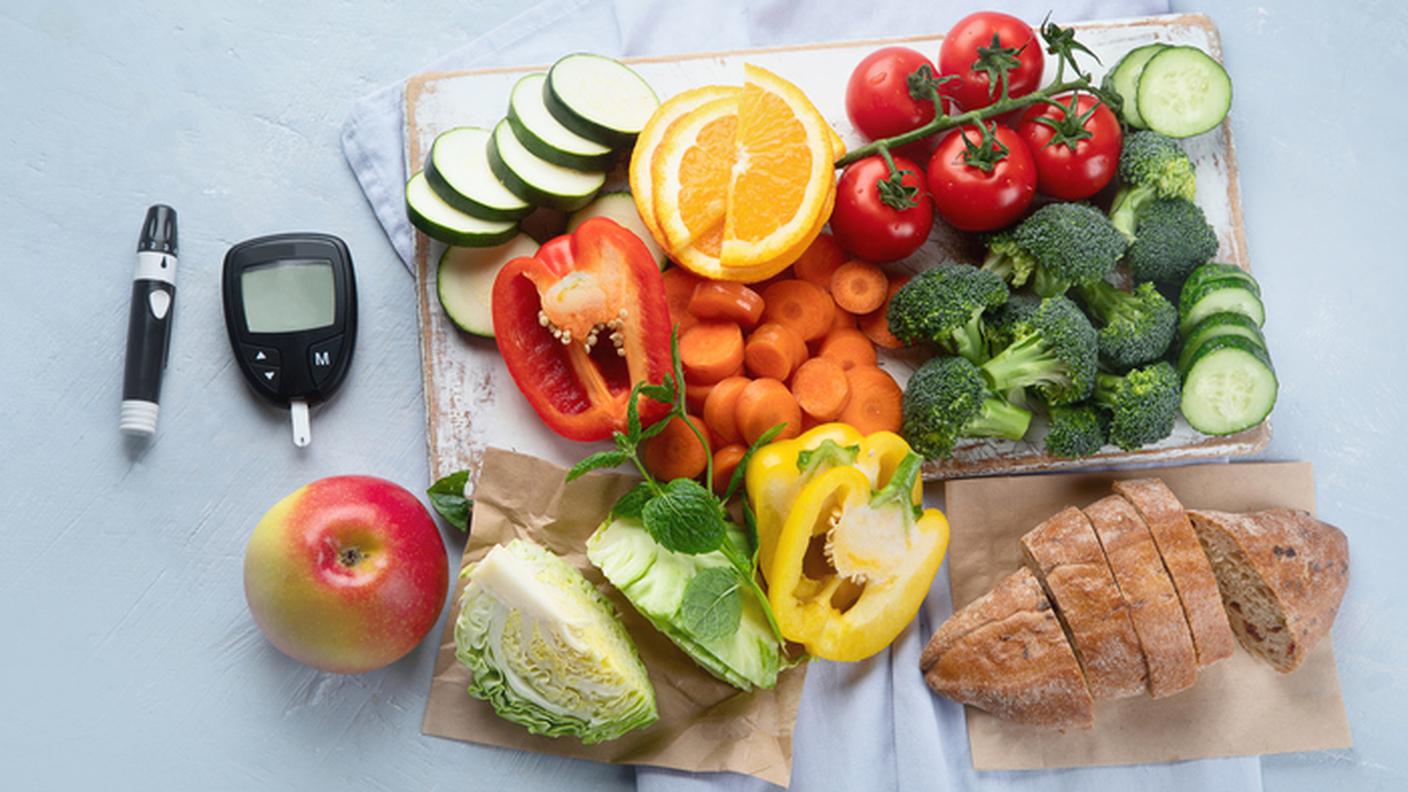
447	497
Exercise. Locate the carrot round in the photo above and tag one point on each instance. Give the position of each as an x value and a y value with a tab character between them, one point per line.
819	260
859	286
726	460
774	350
719	412
696	395
876	324
679	288
875	403
726	301
820	388
803	306
711	351
763	404
849	347
843	319
676	452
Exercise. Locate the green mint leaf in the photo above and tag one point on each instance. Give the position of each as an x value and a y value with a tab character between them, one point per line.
712	605
630	505
736	480
633	412
601	459
685	518
447	496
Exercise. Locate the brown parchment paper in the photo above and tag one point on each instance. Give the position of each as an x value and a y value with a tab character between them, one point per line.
1239	706
705	724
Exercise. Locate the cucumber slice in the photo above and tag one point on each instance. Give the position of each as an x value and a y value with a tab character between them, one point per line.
536	180
1226	294
599	98
1183	92
1216	270
1124	79
464	280
544	135
1218	325
619	206
458	171
1230	386
429	212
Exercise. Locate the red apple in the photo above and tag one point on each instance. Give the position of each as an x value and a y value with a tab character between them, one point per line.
346	574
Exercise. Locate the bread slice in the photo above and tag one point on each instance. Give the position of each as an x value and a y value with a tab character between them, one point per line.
1282	574
1064	554
1005	653
1153	602
1186	564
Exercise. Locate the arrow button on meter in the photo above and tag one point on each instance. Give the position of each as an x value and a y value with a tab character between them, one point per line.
267	376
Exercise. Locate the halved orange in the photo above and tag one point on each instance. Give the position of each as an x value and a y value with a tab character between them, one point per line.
648	143
691	171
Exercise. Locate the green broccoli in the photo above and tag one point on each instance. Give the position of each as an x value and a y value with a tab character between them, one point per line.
999	326
1142	404
1151	166
1059	245
1076	431
1172	237
1135	327
945	305
947	400
1054	350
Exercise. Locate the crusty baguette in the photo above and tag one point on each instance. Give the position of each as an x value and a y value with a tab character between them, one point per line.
1282	574
1187	565
1154	607
1005	653
1065	555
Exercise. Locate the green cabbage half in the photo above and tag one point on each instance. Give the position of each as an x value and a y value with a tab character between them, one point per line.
546	649
654	579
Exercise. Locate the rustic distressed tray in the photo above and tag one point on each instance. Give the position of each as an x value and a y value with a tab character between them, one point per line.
471	402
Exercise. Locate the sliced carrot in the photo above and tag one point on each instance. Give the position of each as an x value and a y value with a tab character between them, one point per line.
718	409
679	287
819	260
711	351
820	388
859	286
875	403
849	347
774	350
726	460
843	319
763	404
695	395
676	452
803	306
876	324
726	301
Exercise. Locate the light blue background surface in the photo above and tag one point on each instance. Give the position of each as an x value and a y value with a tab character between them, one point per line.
128	657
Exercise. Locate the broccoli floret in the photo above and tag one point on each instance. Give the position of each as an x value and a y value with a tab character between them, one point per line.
1172	237
945	305
999	325
1135	327
1142	404
1076	431
1151	166
947	400
1053	350
1058	246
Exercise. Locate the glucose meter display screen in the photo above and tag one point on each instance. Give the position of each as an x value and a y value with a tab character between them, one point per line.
288	296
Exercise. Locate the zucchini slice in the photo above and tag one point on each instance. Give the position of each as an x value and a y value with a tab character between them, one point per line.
544	135
621	207
429	212
1230	386
599	98
1215	296
1218	325
536	180
458	171
464	281
1124	79
1217	270
1183	92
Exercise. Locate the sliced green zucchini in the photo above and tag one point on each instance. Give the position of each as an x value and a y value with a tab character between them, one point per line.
1124	79
544	135
1229	387
621	207
464	280
429	212
1183	92
536	180
599	98
458	171
1217	270
1218	325
1215	296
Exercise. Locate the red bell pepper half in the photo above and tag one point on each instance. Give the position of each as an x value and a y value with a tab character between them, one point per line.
579	323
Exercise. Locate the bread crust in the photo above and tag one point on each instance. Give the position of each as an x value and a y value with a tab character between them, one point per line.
1187	565
1006	653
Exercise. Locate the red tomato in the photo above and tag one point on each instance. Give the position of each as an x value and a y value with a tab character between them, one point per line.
1081	160
972	199
959	50
878	98
866	226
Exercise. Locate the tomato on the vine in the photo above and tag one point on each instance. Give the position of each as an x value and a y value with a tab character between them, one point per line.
982	179
867	220
1076	153
976	46
890	93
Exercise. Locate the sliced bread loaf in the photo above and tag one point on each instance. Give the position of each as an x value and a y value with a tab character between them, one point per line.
1005	653
1064	554
1282	574
1153	602
1187	565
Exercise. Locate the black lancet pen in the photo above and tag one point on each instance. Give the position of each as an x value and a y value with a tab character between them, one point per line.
149	321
